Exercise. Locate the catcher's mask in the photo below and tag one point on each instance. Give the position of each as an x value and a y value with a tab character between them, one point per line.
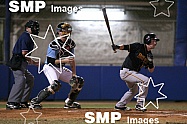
34	25
64	27
149	37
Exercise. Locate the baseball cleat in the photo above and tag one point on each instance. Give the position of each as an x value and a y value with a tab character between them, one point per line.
75	105
122	108
140	108
25	105
36	106
13	105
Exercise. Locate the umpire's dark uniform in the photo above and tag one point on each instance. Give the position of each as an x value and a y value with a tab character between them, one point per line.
24	80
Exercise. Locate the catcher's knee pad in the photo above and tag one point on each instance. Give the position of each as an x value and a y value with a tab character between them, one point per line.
54	87
77	83
80	82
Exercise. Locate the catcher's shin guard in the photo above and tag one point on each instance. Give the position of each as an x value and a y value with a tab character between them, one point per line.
43	94
76	88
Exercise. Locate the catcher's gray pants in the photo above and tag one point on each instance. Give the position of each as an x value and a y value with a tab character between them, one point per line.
132	79
23	85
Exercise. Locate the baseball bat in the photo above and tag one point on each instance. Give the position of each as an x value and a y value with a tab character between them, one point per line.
108	26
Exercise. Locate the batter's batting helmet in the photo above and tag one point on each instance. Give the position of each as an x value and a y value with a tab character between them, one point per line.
34	25
148	37
64	27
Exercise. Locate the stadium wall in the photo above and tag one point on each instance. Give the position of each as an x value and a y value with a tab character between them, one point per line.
104	83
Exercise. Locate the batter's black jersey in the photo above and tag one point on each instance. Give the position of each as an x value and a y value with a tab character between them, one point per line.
133	61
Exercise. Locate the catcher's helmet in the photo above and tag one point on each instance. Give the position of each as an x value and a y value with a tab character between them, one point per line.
64	27
148	37
34	25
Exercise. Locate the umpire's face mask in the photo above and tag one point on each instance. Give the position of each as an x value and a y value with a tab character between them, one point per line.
35	30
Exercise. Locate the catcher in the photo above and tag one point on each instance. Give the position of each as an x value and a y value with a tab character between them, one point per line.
56	59
139	56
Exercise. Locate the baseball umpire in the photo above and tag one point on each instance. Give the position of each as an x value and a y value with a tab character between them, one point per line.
56	59
24	80
139	56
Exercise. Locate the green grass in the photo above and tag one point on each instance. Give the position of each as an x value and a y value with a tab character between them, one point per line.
163	105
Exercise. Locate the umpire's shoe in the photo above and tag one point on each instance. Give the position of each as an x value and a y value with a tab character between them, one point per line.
140	108
13	105
125	108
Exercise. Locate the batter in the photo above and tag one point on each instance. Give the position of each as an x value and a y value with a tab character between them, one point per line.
139	56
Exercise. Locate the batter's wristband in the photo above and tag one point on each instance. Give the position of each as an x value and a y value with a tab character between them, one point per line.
117	46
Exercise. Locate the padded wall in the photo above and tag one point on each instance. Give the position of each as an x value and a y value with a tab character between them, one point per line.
181	34
104	83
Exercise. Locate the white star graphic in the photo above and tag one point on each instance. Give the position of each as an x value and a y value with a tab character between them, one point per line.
25	119
43	38
159	91
155	11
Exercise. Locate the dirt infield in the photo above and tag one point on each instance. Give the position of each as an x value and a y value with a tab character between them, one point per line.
53	113
60	115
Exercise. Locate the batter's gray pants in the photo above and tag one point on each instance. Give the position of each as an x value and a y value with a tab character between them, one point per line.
132	78
23	85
